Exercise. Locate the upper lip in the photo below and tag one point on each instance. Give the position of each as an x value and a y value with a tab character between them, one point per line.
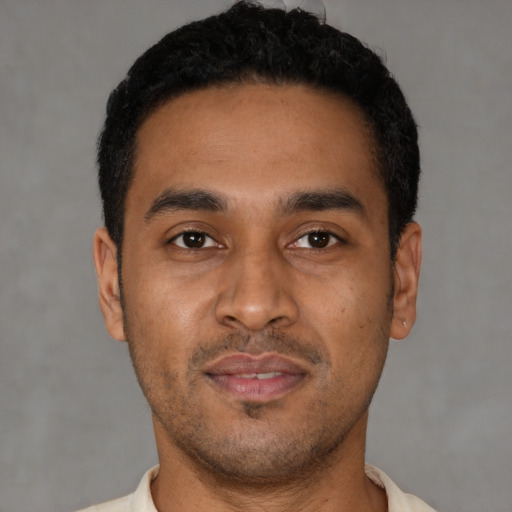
247	364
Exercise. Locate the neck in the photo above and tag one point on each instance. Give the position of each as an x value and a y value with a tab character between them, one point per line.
339	484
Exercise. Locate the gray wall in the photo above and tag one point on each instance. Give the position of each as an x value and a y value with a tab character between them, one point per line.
74	427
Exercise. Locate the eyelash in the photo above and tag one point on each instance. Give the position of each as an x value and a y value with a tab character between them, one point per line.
197	232
332	239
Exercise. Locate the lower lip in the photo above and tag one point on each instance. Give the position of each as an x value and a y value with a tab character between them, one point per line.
257	390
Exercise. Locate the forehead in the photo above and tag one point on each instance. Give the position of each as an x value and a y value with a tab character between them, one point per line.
258	140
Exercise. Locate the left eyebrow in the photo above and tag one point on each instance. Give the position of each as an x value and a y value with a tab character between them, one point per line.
338	199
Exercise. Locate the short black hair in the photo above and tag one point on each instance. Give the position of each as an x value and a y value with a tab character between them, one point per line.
247	44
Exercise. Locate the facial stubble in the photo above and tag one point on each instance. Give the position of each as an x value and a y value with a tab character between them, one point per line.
256	450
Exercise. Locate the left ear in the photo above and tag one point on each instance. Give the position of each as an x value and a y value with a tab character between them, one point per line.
406	276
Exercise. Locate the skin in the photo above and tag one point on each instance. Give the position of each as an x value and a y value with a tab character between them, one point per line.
256	283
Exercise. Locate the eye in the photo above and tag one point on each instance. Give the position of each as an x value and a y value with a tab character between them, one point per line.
316	240
194	240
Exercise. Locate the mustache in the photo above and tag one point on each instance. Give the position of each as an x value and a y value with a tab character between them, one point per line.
258	343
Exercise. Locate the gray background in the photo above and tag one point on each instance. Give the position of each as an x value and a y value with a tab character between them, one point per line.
74	426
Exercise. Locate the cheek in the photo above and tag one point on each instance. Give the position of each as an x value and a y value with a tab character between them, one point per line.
154	335
356	296
166	309
352	314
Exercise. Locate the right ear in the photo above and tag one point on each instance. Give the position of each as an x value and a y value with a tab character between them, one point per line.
105	261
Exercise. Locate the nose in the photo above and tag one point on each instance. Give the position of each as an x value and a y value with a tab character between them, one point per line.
257	292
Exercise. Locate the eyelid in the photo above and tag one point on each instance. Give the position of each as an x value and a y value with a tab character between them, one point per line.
172	240
337	238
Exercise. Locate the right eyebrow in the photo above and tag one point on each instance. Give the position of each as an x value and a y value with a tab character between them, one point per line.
191	199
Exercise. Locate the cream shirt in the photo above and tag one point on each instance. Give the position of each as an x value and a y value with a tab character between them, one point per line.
141	501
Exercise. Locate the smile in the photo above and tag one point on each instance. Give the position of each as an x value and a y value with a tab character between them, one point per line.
261	376
255	379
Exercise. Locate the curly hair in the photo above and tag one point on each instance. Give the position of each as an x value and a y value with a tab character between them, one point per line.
248	44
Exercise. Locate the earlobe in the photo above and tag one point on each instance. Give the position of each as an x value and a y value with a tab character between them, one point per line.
406	276
105	261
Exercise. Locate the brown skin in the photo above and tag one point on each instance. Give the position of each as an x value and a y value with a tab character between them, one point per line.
259	285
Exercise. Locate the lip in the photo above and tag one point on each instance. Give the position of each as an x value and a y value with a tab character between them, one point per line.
256	379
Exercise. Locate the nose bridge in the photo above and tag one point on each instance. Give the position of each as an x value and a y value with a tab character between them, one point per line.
257	292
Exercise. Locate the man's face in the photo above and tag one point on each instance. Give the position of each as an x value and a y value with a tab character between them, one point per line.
257	286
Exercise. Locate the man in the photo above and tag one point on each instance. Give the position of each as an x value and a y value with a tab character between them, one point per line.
259	174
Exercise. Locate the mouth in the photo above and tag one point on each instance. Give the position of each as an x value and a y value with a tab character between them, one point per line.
256	379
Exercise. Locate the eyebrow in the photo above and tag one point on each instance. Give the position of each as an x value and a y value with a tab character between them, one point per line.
338	199
172	200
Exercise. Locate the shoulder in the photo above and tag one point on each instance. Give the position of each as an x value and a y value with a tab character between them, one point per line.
118	505
398	501
139	501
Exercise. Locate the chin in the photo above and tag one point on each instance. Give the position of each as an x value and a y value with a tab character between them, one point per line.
260	448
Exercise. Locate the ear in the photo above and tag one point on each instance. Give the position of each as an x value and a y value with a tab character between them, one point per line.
105	261
406	276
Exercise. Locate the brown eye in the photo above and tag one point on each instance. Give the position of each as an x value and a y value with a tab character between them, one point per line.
319	240
316	240
193	240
